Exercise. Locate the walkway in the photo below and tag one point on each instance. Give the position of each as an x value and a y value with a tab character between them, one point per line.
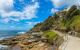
70	42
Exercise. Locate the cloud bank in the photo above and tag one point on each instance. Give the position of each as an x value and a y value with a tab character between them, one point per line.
61	3
58	3
7	12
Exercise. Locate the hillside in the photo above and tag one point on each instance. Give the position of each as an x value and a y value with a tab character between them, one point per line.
65	20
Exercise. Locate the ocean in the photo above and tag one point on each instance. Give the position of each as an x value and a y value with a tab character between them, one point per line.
9	33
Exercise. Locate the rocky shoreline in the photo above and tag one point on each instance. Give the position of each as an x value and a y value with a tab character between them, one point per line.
28	41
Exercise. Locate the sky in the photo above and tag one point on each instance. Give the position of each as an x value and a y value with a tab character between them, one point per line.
24	14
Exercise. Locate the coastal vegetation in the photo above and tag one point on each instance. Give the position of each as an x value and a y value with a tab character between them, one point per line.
66	20
50	35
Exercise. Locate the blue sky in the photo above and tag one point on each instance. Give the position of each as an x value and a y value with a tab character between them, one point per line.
24	14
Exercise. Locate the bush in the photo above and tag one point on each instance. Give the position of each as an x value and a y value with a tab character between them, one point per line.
50	35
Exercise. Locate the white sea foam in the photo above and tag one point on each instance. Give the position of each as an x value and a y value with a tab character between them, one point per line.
1	38
4	47
19	33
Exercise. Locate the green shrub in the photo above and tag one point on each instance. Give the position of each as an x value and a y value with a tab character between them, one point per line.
50	35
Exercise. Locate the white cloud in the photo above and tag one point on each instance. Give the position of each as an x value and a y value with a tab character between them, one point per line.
33	0
32	23
6	20
21	0
58	3
6	5
28	12
53	10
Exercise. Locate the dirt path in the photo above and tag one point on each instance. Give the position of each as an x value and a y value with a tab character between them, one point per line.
70	42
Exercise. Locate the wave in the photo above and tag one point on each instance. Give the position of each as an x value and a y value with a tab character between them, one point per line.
1	38
4	47
19	33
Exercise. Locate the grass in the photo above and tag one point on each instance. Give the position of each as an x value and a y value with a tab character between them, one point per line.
76	22
50	35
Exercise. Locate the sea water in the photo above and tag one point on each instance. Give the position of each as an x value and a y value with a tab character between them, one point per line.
9	33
